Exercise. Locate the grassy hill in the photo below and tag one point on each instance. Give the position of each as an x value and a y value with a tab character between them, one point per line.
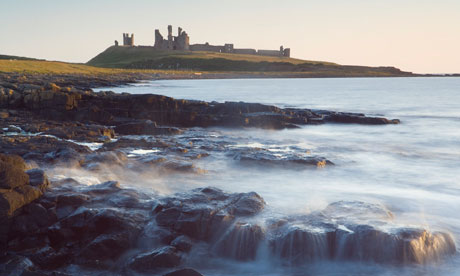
140	57
122	57
177	65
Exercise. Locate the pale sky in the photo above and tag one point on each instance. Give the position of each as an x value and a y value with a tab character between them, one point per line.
421	36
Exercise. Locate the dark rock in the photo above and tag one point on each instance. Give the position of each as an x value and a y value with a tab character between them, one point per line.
48	258
339	234
108	158
33	218
38	178
241	242
145	128
177	166
105	247
204	213
134	144
184	272
260	156
182	243
14	265
85	133
43	149
164	257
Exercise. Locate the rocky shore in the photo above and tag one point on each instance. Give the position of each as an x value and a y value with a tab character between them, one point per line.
63	227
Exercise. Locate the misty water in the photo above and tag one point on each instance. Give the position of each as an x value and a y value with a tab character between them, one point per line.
412	168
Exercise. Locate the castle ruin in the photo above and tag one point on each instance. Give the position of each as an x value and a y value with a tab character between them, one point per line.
128	40
181	42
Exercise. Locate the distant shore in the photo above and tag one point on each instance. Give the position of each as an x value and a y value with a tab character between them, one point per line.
117	76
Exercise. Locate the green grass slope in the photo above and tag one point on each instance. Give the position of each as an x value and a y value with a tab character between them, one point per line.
140	57
122	57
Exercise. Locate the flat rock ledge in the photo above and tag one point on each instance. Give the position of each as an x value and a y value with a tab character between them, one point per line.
64	98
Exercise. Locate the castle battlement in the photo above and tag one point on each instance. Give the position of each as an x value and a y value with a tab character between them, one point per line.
181	42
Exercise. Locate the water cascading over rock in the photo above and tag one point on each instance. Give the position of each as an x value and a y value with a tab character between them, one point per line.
241	242
356	231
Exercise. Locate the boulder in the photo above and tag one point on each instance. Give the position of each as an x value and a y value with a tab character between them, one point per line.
182	243
164	257
16	190
204	213
12	173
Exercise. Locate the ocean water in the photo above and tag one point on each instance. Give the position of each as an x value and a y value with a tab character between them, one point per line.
413	168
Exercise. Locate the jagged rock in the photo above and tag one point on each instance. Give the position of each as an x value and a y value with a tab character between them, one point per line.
204	213
42	149
164	257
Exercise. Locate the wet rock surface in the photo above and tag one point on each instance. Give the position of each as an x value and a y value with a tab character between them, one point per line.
202	213
122	230
68	228
267	157
356	231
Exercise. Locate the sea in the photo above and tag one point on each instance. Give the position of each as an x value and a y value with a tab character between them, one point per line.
412	168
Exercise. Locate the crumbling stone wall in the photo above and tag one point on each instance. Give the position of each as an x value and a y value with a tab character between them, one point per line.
128	40
181	42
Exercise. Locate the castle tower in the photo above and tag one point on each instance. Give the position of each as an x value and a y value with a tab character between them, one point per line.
170	38
128	40
287	52
158	40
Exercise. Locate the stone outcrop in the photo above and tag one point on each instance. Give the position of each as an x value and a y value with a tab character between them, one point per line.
203	213
111	228
356	231
18	188
148	114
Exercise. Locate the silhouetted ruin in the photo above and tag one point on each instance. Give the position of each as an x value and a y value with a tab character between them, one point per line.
181	42
128	40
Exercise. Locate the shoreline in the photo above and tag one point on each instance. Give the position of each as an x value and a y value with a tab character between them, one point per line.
57	226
